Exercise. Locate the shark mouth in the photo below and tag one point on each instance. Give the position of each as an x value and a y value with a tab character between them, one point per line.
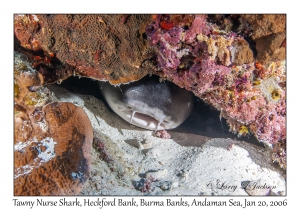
144	120
149	103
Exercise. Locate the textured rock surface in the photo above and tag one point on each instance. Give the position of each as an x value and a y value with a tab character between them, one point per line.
52	141
58	164
115	47
212	56
271	47
243	53
266	24
105	47
268	31
201	59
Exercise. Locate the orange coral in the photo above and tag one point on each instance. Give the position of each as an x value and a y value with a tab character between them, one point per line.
52	140
89	45
58	164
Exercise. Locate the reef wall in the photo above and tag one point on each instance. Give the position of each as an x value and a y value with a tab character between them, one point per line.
236	63
216	62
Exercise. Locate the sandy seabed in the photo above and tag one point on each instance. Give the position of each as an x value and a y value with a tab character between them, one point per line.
127	160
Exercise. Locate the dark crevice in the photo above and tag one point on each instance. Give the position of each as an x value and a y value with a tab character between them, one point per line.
204	120
252	45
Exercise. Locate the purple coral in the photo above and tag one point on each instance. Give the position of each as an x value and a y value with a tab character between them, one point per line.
271	124
199	58
168	41
199	26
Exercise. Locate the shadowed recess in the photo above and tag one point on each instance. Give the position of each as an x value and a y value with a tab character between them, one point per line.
204	120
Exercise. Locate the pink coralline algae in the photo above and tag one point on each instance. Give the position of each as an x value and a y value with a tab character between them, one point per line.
199	26
163	134
218	66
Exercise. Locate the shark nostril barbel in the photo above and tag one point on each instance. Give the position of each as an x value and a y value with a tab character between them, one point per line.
152	104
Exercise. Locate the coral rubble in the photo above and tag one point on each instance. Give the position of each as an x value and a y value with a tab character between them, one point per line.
52	141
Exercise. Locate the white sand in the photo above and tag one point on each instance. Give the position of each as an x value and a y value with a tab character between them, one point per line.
216	168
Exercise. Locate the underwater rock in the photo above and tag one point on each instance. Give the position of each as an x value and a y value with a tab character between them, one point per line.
165	185
58	164
279	153
217	66
265	24
271	48
102	46
243	53
29	98
215	57
25	26
52	141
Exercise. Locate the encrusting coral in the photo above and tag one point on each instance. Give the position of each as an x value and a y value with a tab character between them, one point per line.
106	47
208	61
52	141
236	63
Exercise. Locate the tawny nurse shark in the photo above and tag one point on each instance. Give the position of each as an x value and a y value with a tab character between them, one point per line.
149	103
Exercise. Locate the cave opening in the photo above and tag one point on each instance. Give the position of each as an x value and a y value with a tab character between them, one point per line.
204	120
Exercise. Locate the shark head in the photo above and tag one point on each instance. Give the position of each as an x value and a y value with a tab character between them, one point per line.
149	103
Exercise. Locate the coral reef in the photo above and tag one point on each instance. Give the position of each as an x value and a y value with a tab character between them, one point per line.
236	63
105	47
218	67
52	141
